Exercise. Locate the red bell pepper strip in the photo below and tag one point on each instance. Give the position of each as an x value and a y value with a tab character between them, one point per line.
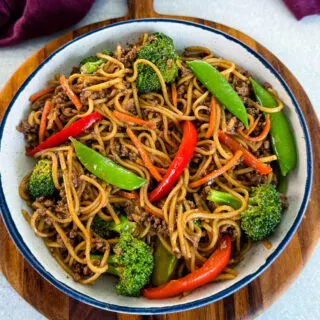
180	161
248	158
72	131
217	262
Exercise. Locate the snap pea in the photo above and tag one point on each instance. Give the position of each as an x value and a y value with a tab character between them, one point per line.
281	135
105	169
164	265
220	197
212	79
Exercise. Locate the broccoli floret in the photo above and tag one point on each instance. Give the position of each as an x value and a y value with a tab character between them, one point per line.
40	183
160	51
132	261
90	64
103	228
263	214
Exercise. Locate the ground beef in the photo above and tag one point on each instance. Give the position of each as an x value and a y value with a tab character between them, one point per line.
128	56
284	201
81	271
129	106
26	128
75	69
256	178
242	88
60	98
85	95
267	85
230	231
123	152
38	104
142	218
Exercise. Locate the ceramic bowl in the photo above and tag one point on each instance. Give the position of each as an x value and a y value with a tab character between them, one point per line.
14	165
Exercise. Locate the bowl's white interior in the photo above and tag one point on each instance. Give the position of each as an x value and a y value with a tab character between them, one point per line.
14	164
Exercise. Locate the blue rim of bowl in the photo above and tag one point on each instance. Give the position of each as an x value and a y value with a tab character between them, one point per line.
14	233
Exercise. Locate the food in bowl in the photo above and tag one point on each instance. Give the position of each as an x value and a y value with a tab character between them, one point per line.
156	168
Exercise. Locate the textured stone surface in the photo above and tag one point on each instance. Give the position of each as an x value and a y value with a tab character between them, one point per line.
297	44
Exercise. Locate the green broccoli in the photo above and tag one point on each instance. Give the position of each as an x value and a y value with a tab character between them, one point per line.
90	64
104	228
162	53
40	183
132	261
263	214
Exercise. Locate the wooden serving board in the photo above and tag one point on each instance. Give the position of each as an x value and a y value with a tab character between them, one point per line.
248	302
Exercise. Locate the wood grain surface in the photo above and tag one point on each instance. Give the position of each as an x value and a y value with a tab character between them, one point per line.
248	302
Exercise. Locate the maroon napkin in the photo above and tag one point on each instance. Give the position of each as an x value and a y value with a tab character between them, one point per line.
302	8
24	19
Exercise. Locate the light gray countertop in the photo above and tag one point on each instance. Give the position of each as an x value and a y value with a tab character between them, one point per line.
269	22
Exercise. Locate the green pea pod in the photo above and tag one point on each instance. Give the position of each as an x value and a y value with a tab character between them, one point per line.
281	135
224	198
212	79
164	265
105	169
282	180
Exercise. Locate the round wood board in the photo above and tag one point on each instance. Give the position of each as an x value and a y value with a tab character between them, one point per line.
248	302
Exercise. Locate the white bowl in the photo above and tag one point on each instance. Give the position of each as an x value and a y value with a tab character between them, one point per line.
14	165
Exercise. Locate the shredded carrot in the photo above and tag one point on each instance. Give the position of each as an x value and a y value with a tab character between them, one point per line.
261	136
267	244
128	195
44	118
40	94
153	171
174	94
130	119
161	170
254	125
212	118
155	213
58	123
216	173
75	100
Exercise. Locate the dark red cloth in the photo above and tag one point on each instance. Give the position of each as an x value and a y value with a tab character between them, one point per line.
302	8
25	19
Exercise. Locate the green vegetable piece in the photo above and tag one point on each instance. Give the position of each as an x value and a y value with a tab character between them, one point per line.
103	227
107	52
263	214
212	79
281	135
91	65
133	262
282	180
164	265
40	183
105	169
162	53
224	198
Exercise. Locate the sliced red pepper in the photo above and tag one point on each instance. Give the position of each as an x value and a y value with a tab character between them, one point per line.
180	161
72	131
217	262
248	158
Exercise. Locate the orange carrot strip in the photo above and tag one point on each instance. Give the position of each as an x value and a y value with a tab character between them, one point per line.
174	94
212	118
254	125
149	210
58	123
216	173
75	100
153	171
161	170
44	118
128	195
261	136
41	93
130	119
